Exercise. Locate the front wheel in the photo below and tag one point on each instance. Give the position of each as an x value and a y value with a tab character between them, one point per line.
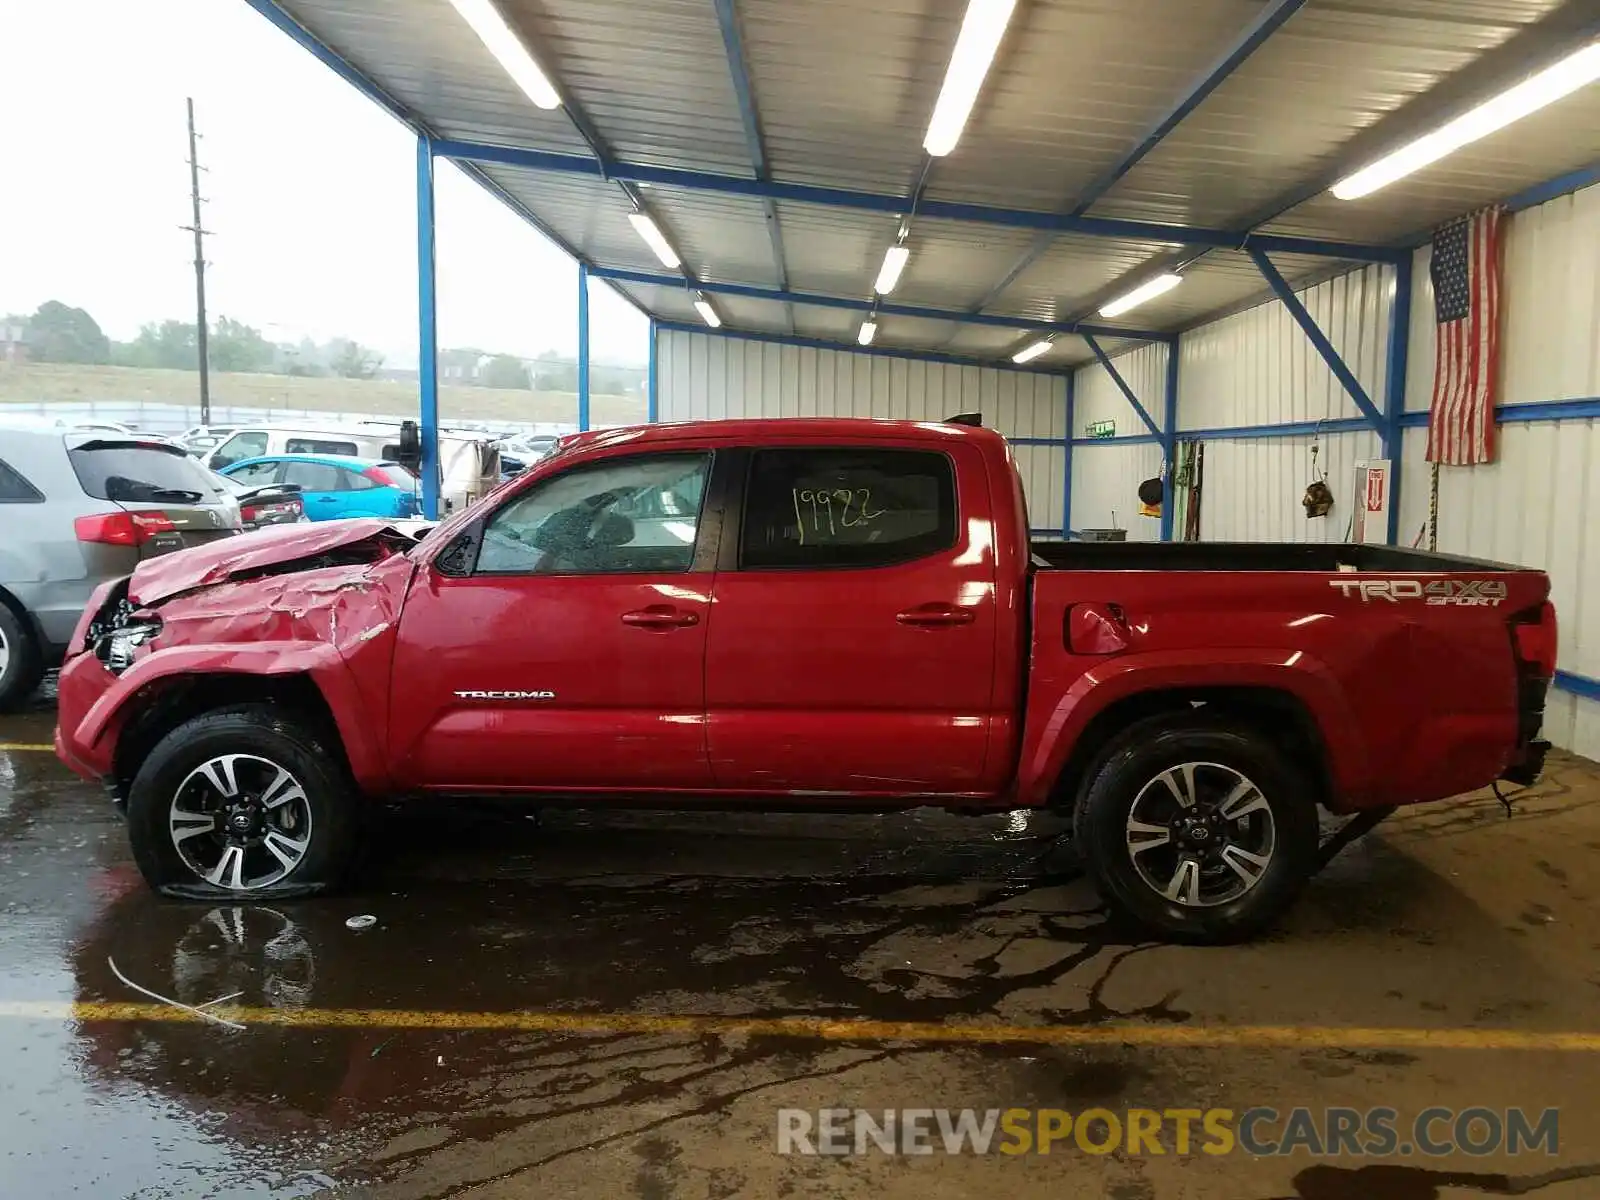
21	661
1198	830
242	802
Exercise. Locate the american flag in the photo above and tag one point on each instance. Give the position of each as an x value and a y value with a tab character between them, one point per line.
1466	362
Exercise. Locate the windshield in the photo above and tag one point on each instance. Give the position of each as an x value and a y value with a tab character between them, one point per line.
141	473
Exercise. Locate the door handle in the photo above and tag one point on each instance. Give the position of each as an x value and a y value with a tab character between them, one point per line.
935	616
660	616
326	499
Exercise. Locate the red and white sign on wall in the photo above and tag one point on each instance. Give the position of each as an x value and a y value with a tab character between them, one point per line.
1371	522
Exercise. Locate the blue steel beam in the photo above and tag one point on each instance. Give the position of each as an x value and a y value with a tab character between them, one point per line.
427	333
1122	385
1551	189
883	307
787	339
583	347
652	383
946	210
744	95
1518	414
1169	442
1066	473
1394	393
1331	356
1250	39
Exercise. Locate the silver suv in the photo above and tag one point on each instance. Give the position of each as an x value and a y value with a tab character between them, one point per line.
78	507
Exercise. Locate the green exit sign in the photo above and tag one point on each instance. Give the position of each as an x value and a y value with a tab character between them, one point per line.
1102	429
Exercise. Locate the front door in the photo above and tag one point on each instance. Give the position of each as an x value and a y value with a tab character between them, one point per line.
853	650
570	653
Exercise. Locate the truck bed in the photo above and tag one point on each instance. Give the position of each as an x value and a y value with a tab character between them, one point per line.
1250	556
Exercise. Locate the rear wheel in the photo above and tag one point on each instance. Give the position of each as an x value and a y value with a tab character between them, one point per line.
21	659
1198	830
242	802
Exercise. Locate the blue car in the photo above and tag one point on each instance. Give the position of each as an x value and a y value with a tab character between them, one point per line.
334	485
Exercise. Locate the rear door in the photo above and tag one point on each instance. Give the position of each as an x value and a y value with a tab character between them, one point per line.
852	645
321	487
174	502
569	654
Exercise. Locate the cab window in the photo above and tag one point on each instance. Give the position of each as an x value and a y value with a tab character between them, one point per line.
638	514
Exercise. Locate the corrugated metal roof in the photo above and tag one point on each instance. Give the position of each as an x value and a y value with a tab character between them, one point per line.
1281	118
842	93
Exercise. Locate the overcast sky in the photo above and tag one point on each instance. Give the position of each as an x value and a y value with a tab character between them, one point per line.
311	191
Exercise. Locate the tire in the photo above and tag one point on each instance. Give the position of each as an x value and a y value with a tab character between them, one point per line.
1227	896
21	659
290	792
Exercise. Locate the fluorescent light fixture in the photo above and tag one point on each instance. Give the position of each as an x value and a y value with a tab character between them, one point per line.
1562	79
1158	286
654	238
868	331
508	50
981	30
1029	353
894	261
707	313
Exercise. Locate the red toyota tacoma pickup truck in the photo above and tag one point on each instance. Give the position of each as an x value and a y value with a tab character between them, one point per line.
840	614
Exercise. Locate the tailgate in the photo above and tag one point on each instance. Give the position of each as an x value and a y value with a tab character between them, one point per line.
175	503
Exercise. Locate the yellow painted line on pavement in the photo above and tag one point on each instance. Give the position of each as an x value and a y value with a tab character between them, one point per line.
30	747
825	1029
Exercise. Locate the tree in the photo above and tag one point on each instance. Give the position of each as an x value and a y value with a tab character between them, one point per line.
352	360
554	375
170	344
236	346
505	371
60	333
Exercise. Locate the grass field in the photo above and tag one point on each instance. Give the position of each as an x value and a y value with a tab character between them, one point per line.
50	383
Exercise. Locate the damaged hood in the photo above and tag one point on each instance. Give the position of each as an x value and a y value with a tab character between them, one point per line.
271	551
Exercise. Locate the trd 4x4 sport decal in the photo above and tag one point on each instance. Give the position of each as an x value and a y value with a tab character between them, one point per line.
1472	593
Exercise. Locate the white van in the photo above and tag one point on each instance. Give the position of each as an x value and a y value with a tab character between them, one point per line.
469	466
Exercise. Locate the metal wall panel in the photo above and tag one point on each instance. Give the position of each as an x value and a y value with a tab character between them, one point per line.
1550	342
1252	487
1105	487
709	377
1098	397
1259	368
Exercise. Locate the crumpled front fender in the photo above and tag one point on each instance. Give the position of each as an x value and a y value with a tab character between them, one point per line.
97	733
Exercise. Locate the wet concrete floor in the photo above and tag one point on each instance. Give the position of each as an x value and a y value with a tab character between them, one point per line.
495	1034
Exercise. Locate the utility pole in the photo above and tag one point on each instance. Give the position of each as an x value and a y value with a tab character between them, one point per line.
199	273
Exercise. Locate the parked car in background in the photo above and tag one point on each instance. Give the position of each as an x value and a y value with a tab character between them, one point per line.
332	486
265	504
521	451
470	465
78	507
203	439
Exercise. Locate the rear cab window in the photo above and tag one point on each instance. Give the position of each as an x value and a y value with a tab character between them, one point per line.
14	489
139	473
841	507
